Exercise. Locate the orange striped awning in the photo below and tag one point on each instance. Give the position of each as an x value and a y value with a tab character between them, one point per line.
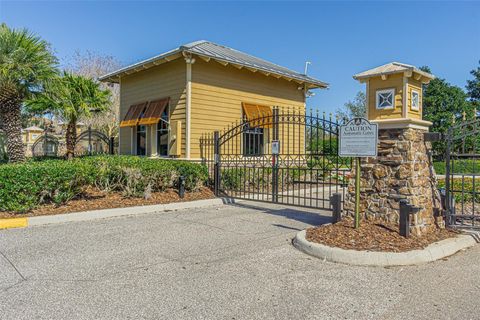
154	111
133	115
258	115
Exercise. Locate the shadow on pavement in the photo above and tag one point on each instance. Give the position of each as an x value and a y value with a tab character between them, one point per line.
301	215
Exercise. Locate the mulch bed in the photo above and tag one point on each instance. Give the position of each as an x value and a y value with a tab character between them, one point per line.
373	236
93	199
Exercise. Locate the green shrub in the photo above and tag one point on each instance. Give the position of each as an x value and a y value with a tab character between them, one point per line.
27	185
24	186
462	190
195	175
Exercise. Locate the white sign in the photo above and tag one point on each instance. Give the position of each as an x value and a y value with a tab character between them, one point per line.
358	138
275	147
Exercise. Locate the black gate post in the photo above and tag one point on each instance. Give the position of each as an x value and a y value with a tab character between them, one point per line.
216	170
275	157
448	199
89	140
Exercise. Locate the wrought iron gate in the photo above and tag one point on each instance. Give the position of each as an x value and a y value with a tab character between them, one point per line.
462	187
286	157
91	141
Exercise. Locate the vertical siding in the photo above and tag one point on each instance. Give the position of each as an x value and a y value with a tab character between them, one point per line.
218	92
166	80
393	81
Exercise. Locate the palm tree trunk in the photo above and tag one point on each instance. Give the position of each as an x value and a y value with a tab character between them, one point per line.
71	138
12	126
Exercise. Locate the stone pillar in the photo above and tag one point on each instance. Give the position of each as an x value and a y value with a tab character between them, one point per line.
403	168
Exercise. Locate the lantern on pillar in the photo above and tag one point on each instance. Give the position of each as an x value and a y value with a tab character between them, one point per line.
394	95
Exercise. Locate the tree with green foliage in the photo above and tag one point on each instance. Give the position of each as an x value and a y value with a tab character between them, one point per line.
473	87
71	97
443	105
353	108
26	65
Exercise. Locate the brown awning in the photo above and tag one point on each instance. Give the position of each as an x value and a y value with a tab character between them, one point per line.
258	115
133	115
154	111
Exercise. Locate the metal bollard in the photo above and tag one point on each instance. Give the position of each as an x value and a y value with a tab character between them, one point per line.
336	204
404	225
443	197
181	187
111	145
405	211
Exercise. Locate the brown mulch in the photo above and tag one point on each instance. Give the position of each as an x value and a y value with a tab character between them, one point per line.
373	236
93	199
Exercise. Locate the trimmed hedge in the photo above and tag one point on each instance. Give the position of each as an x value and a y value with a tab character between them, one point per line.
459	166
27	185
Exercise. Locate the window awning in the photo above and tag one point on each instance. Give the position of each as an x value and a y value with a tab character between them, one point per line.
133	114
258	115
154	111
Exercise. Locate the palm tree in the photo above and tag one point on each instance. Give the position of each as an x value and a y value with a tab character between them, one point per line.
26	64
71	97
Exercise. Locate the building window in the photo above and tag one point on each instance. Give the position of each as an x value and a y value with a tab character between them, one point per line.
162	133
141	140
385	99
415	100
34	136
253	142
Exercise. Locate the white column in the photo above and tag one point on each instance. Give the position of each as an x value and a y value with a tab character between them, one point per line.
367	100
133	142
153	140
404	98
188	104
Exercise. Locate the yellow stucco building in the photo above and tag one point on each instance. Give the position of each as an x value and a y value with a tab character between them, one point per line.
31	134
168	102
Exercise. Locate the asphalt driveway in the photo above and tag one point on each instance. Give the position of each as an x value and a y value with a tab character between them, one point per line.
228	262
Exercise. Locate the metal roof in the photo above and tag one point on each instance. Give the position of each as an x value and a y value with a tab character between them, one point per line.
220	53
390	68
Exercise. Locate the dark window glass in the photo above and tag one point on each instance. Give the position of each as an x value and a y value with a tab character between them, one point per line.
141	140
162	134
253	142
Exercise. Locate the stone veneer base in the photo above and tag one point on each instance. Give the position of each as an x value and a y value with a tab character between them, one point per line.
403	169
434	251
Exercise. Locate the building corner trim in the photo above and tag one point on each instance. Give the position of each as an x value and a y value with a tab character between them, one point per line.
188	104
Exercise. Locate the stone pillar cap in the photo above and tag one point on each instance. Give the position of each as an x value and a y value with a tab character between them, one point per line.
402	123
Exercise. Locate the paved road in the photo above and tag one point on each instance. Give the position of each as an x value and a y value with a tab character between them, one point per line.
231	262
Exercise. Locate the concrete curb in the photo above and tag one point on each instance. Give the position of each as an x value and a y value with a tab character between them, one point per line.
108	213
435	251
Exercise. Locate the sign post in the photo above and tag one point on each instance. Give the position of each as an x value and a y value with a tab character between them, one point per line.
358	138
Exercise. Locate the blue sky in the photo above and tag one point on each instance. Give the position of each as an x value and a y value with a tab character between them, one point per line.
339	38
